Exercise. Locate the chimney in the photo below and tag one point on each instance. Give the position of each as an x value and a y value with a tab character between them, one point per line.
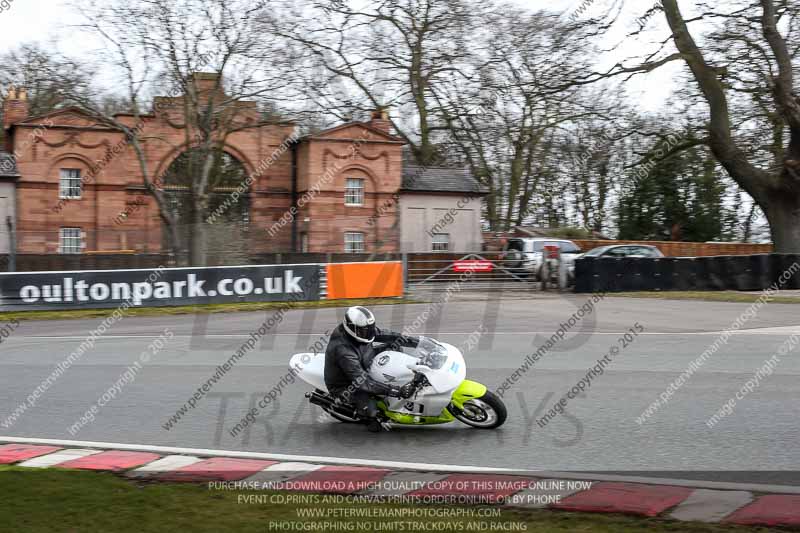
380	120
205	82
15	106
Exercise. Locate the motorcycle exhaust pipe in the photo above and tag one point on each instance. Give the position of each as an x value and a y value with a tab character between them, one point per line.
329	404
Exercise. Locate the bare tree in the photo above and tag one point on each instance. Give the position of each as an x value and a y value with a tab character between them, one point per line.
744	70
388	54
41	73
777	188
507	124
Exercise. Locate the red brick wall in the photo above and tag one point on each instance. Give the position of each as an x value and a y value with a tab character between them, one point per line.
75	141
326	162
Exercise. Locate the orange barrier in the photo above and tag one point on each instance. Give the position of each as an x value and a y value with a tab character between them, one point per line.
365	280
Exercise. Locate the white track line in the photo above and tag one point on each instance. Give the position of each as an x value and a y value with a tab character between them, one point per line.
784	330
401	465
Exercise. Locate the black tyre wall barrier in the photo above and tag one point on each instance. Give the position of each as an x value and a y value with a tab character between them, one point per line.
791	266
703	273
724	273
585	274
647	275
630	274
741	273
714	273
760	271
664	274
606	270
684	274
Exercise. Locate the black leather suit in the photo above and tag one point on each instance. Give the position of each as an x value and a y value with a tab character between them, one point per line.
346	364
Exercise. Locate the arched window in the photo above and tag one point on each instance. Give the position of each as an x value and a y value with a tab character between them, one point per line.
226	216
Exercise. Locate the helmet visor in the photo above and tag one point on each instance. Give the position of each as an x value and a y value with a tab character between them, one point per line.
365	333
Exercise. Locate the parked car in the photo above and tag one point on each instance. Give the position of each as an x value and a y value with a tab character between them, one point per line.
618	250
624	250
525	256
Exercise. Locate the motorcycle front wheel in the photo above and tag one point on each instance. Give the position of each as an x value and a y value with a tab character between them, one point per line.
486	412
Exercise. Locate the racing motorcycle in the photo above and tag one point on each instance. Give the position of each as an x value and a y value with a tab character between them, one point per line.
437	369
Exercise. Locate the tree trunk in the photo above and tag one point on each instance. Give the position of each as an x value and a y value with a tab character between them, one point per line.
776	193
783	213
198	252
174	239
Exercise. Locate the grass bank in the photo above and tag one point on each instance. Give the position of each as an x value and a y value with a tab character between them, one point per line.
53	500
708	296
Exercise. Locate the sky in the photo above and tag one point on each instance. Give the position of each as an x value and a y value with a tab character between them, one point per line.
42	20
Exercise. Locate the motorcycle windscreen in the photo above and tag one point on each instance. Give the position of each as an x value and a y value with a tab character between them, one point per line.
450	371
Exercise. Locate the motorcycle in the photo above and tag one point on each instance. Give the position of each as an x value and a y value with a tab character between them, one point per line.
437	369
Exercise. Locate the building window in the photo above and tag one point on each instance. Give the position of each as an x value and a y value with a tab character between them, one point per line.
441	242
69	185
354	192
304	242
69	241
353	242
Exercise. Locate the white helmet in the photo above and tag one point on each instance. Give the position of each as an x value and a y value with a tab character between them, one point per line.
359	323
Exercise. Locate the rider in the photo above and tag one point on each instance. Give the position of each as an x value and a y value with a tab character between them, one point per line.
349	355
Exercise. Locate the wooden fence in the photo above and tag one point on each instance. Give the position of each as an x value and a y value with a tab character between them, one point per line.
433	260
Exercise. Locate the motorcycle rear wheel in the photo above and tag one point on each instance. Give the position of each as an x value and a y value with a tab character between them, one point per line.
486	412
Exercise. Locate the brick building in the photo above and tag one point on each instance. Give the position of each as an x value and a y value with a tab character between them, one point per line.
76	185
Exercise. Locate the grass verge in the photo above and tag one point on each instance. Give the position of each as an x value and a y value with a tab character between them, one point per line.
48	500
709	296
194	309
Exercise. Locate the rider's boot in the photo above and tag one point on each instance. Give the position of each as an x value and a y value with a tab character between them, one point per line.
378	424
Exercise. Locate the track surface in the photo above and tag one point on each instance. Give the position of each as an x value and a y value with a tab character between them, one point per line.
757	443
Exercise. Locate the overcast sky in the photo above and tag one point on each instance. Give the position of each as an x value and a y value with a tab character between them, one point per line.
42	20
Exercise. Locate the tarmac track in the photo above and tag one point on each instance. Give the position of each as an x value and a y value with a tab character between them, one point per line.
757	443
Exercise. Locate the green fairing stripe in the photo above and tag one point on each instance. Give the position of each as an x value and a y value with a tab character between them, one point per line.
467	391
407	419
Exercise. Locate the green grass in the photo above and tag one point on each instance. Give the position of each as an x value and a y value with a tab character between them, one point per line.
709	296
53	500
193	309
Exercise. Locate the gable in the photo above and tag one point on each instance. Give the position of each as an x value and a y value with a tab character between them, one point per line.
356	130
72	116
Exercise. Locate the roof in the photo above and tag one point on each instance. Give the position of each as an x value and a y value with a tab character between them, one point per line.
423	178
34	119
8	165
366	125
576	233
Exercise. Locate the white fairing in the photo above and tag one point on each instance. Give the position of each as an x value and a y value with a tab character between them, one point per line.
392	368
396	368
310	368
